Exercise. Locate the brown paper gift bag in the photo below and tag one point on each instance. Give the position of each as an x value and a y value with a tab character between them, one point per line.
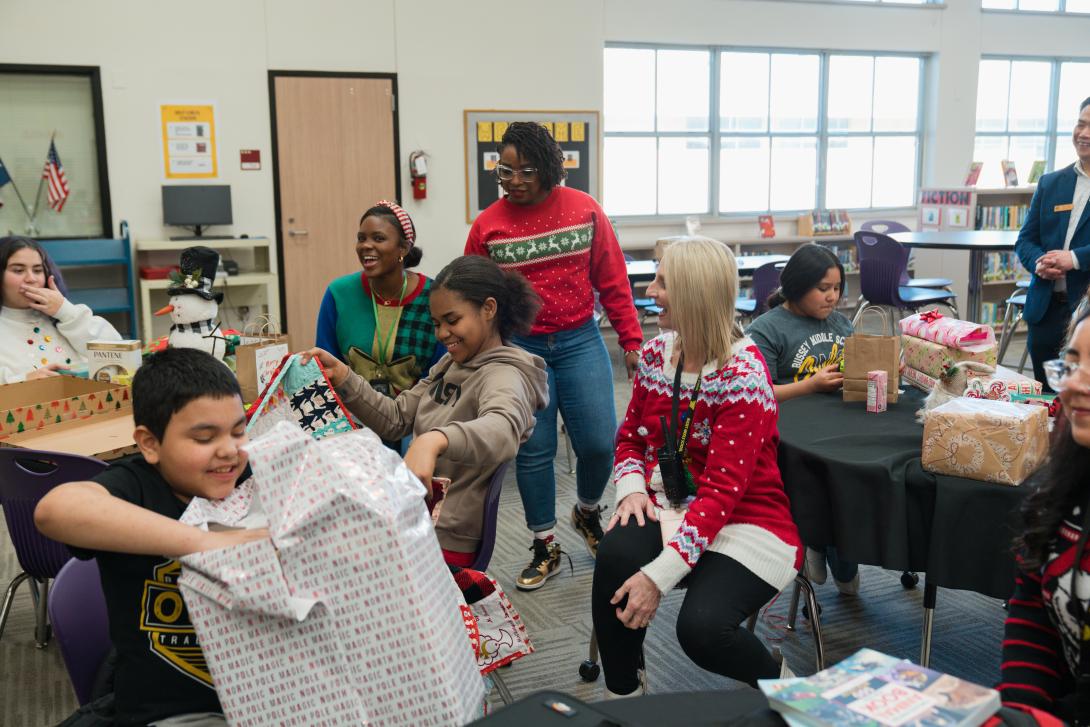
863	353
262	348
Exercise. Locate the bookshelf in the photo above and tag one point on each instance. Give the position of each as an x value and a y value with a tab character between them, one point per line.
964	208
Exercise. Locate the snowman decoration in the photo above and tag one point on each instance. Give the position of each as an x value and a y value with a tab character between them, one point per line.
193	306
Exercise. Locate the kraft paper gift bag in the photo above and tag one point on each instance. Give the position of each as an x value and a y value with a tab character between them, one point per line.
256	363
353	617
981	439
863	354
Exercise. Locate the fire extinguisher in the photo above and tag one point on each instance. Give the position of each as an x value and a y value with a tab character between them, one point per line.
418	170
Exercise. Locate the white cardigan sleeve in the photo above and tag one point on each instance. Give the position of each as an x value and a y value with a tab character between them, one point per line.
79	325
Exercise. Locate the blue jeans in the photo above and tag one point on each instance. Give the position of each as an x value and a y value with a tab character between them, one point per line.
581	387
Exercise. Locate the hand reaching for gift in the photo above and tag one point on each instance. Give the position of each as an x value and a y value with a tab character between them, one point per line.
335	369
423	453
214	540
830	378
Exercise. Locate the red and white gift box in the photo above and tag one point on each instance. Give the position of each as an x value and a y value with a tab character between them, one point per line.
1000	385
933	326
348	615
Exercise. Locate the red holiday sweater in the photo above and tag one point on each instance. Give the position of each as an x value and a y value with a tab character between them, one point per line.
740	508
1040	636
566	248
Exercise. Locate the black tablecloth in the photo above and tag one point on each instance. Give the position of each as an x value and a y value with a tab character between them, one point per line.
856	482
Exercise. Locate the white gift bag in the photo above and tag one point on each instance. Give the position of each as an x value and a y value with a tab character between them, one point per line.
352	618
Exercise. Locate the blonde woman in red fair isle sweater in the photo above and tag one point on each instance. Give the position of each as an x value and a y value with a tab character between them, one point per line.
730	531
562	241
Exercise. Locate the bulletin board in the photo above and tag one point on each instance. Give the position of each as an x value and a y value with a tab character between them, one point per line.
576	132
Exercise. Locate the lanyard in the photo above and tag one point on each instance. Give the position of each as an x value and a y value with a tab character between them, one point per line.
685	423
387	340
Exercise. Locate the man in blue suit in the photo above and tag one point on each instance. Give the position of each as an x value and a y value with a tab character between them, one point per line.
1055	244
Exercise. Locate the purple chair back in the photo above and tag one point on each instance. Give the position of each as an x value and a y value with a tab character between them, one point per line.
765	281
886	227
491	515
882	263
77	610
26	475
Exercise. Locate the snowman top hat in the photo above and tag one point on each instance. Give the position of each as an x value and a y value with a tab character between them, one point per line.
199	265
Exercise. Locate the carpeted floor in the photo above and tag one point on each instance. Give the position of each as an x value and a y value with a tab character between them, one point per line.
34	688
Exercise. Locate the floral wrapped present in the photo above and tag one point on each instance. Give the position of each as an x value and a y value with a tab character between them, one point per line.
994	441
919	379
934	326
934	359
348	614
1000	385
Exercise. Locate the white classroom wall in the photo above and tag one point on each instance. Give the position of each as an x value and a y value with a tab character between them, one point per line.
449	56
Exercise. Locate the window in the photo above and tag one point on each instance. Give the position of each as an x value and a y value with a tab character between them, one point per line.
736	131
1038	6
64	104
1016	119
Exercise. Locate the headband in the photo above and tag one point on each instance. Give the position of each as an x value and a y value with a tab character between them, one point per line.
402	219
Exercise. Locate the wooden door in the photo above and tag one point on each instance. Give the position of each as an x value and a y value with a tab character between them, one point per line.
336	154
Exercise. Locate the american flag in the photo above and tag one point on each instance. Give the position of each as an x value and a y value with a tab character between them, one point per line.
53	174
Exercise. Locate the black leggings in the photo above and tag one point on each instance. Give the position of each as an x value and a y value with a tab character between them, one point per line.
722	593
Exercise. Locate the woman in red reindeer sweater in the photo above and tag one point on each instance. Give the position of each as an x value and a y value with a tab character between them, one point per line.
708	487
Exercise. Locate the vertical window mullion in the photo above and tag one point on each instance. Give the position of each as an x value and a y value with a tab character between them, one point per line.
715	113
873	137
658	139
768	130
1051	127
822	130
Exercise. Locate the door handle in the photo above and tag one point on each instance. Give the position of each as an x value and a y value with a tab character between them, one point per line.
298	233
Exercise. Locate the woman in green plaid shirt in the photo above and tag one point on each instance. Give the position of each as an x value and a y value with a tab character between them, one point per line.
378	321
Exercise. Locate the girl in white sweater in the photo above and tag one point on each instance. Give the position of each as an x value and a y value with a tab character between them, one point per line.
42	333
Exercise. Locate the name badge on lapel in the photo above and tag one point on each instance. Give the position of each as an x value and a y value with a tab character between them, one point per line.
1063	207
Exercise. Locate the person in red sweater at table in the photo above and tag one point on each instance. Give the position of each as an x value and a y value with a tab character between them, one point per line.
562	241
703	500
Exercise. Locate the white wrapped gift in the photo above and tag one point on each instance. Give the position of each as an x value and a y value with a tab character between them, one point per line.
348	616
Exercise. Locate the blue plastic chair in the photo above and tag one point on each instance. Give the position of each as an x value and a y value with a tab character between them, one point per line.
887	227
882	263
26	475
77	609
765	281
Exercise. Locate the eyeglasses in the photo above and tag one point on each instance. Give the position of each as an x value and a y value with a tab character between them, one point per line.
1059	372
506	173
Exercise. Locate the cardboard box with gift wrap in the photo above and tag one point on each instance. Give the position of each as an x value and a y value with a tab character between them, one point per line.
981	439
934	326
919	379
932	358
33	405
348	615
1000	385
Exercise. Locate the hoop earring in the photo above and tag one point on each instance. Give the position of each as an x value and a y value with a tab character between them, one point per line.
401	259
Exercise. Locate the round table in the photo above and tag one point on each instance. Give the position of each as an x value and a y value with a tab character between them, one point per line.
976	242
855	481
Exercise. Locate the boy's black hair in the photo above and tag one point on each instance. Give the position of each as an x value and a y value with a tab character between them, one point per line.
170	379
536	145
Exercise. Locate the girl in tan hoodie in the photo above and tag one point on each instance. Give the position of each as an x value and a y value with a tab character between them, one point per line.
475	406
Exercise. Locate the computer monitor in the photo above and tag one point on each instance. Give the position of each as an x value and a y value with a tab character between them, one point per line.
196	205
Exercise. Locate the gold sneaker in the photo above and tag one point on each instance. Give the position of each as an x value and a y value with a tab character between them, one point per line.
545	563
589	526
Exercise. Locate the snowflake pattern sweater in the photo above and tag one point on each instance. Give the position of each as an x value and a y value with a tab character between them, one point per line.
566	248
1040	636
740	508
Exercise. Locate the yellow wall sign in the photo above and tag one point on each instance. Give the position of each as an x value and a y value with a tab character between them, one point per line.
189	141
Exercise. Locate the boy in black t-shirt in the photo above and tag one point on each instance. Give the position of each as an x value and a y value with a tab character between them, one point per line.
189	426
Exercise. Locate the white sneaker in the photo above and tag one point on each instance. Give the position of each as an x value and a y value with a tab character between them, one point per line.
814	567
639	691
849	588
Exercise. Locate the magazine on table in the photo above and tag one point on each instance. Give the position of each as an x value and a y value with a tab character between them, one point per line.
872	689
